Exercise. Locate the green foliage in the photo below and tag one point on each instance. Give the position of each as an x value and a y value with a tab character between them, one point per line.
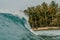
44	15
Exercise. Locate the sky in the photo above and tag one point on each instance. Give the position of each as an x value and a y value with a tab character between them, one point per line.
22	4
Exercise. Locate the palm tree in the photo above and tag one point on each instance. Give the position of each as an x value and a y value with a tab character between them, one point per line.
45	9
52	9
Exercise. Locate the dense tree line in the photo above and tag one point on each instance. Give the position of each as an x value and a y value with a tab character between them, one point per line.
44	15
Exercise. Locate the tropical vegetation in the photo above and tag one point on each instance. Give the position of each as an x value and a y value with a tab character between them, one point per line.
44	15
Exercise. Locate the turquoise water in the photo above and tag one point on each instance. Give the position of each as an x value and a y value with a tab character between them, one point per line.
13	28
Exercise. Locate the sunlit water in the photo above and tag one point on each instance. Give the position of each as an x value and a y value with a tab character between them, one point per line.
15	26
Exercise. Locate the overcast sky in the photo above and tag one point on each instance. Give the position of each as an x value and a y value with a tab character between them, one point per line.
21	4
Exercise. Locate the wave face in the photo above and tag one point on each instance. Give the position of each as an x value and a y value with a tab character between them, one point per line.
13	28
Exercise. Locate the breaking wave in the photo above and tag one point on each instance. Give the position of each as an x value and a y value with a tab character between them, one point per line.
14	26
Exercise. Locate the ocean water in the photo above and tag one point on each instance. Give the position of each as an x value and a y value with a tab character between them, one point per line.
49	34
15	26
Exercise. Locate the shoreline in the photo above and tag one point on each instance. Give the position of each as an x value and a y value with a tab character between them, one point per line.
46	28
